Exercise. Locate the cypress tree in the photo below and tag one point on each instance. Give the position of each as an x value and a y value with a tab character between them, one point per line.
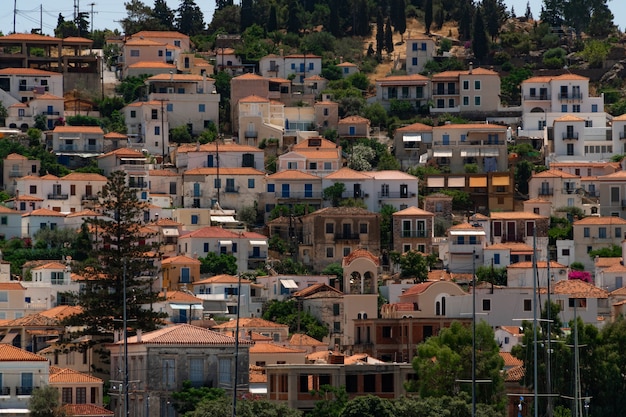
428	15
388	37
480	42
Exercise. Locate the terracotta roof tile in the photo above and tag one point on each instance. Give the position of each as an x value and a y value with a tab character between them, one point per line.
181	297
223	171
84	176
353	119
417	288
184	334
86	410
44	212
222	279
359	253
540	264
250	322
413	211
180	259
513	330
274	348
213	147
300	339
315	288
66	375
577	289
554	173
510	360
600	220
510	215
61	312
347	173
10	353
78	129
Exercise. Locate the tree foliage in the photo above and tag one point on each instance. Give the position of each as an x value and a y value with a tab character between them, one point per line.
334	193
189	19
218	264
44	402
286	312
121	257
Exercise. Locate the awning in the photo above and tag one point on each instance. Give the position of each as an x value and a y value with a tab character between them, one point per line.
436	182
500	180
411	137
258	390
470	153
456	182
225	242
170	232
478	182
289	283
223	219
186	306
442	154
258	243
467	233
489	152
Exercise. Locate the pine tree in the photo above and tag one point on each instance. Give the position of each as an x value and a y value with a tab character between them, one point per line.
480	43
494	15
428	15
163	14
334	24
293	19
120	253
190	19
465	22
529	13
220	4
388	37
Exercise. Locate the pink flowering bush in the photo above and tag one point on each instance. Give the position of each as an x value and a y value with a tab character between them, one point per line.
581	275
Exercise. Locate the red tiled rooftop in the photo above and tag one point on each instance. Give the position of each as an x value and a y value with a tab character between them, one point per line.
10	353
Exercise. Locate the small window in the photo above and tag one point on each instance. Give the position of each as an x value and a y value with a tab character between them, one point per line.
155	114
271	188
477	85
486	305
330	252
565	252
336	309
330	228
528	305
250	182
201	108
363	228
169	107
477	100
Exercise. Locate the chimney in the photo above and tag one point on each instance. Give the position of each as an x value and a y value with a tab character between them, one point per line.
172	75
471	67
138	335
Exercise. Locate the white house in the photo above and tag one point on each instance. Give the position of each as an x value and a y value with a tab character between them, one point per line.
22	372
41	219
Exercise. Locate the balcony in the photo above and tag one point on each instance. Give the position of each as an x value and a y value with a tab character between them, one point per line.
395	194
91	148
542	97
15	174
347	236
258	300
568	191
89	197
68	148
5	391
299	194
58	196
354	194
622	135
251	134
51	113
570	96
232	189
23	390
257	255
414	233
137	184
570	136
545	191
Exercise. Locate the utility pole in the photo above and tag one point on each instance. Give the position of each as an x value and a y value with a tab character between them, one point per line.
14	13
92	12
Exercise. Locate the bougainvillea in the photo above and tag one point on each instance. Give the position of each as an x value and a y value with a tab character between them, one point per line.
581	275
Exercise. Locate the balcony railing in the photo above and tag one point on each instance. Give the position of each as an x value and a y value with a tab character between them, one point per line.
5	391
50	113
414	233
622	135
15	174
545	191
298	194
88	197
92	148
58	196
140	185
251	134
570	136
568	191
258	255
232	189
347	236
570	96
538	97
395	194
23	390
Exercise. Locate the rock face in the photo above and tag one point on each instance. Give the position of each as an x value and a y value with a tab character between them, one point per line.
617	72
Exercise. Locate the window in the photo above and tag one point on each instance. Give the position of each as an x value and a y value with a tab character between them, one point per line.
33	189
217	183
477	100
250	182
134	52
618	232
185	277
614	194
563	108
66	395
155	114
157	130
533	92
169	107
169	373
224	371
423	46
528	305
602	232
363	229
81	395
586	232
486	305
576	108
330	252
196	371
271	188
201	108
206	247
465	100
160	52
336	326
194	219
496	258
414	46
330	228
466	85
4	220
414	61
477	85
4	296
336	309
27	383
594	108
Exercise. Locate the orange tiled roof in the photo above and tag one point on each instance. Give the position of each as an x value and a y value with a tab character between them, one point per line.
513	330
184	334
360	253
315	288
420	127
78	129
222	279
353	119
84	176
300	339
180	259
413	211
273	348
253	99
554	173
66	375
577	289
152	64
223	171
44	212
348	173
27	71
510	360
600	220
292	174
181	297
540	264
515	374
417	289
511	215
86	410
512	246
10	353
61	312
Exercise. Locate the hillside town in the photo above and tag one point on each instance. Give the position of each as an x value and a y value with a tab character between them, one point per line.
285	245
